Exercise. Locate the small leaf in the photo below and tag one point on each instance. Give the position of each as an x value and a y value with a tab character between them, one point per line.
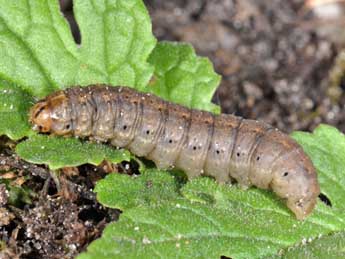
207	220
57	152
14	104
182	77
17	194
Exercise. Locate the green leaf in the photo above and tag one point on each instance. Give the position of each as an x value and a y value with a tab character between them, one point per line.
329	246
182	77
14	104
57	153
38	51
116	42
140	191
206	220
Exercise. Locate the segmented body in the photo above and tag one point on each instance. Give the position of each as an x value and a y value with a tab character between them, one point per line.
225	147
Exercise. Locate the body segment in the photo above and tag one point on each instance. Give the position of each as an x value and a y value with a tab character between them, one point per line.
225	147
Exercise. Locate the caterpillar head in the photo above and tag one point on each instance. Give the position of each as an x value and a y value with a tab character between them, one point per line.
295	179
52	115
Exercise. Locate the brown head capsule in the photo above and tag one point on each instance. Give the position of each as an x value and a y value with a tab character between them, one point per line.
223	146
52	115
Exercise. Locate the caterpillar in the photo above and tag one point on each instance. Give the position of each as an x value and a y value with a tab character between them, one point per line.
225	147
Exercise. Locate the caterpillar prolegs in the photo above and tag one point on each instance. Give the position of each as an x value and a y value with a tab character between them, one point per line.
223	146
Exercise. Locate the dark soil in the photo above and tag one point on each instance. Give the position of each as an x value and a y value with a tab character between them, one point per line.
62	216
275	57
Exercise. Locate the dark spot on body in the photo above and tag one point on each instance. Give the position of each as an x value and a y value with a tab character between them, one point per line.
125	127
147	132
194	148
170	141
238	154
286	174
218	152
257	158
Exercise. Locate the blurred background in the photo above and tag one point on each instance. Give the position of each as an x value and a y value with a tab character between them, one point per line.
280	60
